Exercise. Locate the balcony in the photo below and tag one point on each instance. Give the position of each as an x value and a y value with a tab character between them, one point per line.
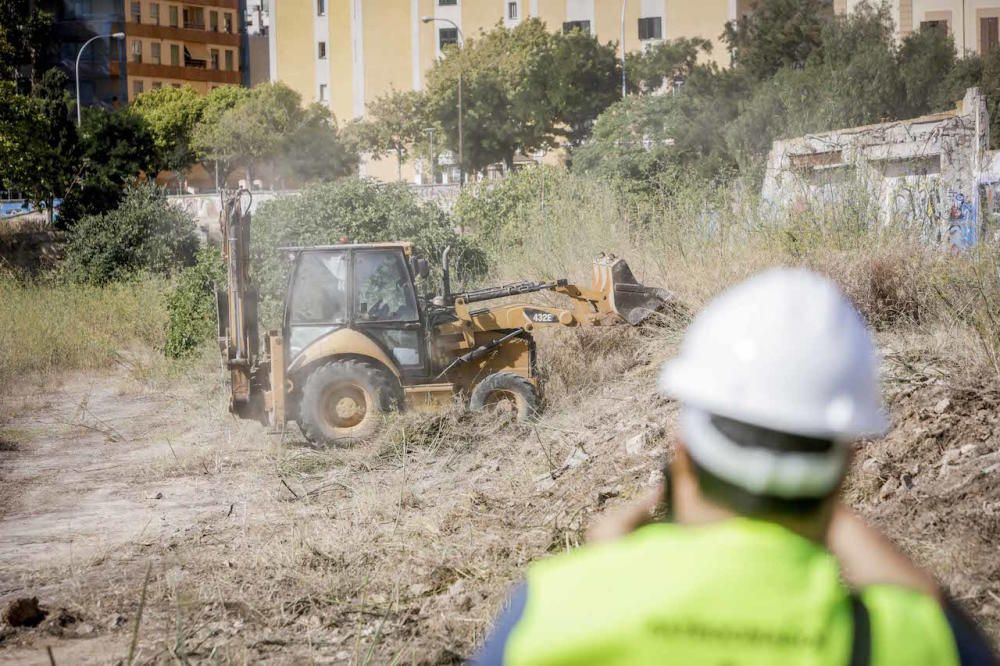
188	73
194	24
196	63
191	35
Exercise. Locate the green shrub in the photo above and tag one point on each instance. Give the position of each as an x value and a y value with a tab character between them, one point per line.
144	234
192	307
489	208
357	209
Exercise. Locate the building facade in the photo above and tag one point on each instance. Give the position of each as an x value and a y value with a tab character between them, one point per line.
195	42
345	53
188	42
974	24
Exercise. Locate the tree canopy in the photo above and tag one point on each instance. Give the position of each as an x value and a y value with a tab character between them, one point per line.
171	115
796	69
395	122
523	88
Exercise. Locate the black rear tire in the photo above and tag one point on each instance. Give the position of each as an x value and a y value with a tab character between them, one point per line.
344	401
506	387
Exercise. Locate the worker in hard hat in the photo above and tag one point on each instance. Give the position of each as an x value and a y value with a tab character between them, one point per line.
761	563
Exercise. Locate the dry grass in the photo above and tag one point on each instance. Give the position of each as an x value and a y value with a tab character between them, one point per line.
401	550
50	326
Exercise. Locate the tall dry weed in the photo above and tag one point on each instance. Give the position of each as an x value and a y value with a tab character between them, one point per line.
696	240
49	325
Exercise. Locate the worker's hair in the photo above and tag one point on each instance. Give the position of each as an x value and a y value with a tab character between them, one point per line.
743	501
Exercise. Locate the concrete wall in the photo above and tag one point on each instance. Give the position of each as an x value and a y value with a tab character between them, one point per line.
926	172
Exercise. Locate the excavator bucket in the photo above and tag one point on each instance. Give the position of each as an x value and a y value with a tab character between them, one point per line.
632	301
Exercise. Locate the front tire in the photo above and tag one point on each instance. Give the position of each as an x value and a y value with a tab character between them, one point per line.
506	389
345	401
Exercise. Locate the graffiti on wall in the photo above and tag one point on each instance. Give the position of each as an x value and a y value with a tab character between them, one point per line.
962	222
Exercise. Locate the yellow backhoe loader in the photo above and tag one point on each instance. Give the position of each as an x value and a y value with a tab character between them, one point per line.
357	341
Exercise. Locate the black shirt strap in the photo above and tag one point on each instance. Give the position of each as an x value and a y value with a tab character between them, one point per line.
861	645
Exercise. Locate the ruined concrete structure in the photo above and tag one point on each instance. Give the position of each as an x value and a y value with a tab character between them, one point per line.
934	173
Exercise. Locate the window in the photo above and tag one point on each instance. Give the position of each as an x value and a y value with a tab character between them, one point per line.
175	55
213	21
154	53
137	88
136	12
582	26
384	290
447	36
228	21
512	10
175	85
320	7
174	19
215	58
229	61
935	25
321	50
136	50
322	92
80	9
157	85
651	28
154	12
989	34
319	289
445	3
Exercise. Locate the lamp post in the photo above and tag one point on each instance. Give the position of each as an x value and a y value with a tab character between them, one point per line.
115	35
430	148
624	3
461	45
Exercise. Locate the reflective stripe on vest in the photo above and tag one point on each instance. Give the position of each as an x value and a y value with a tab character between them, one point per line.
734	593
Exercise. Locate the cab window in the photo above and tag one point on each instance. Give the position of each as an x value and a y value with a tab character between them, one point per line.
319	293
384	290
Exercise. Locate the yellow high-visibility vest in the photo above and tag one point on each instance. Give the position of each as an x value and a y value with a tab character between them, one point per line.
740	592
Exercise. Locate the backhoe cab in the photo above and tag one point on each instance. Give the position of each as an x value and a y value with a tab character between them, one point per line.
358	341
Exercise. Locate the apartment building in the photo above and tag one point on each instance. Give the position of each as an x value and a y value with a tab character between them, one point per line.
974	24
345	53
168	43
195	43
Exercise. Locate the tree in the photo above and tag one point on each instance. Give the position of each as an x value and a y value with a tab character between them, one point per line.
505	102
216	103
116	148
649	69
776	34
38	141
395	122
926	58
252	130
315	151
171	115
144	233
582	80
25	38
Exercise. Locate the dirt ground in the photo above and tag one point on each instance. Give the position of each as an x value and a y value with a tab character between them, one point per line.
146	520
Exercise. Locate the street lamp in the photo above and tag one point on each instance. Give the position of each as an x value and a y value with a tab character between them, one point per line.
461	45
115	35
430	148
624	2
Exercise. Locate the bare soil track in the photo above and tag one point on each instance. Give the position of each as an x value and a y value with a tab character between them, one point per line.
254	548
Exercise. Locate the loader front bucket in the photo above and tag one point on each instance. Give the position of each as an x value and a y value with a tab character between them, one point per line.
632	301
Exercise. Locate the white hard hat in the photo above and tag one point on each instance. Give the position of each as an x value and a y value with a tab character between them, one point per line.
784	351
